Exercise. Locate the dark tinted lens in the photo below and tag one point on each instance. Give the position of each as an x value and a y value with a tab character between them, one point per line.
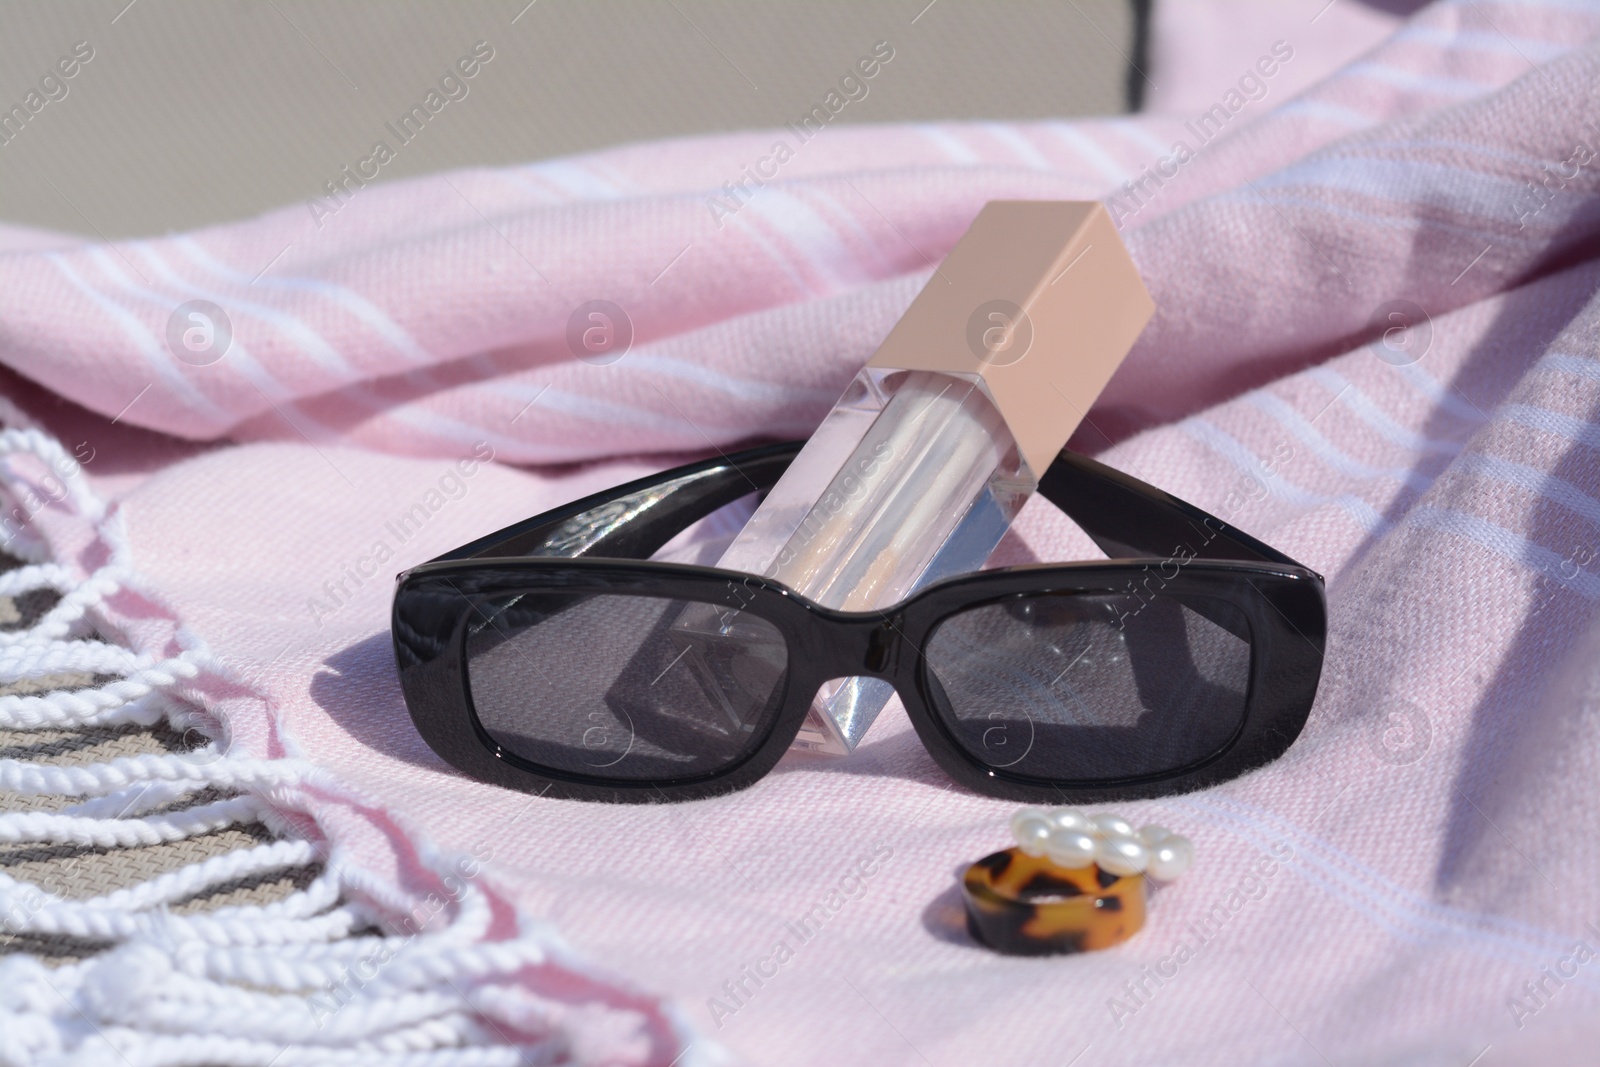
1081	687
617	686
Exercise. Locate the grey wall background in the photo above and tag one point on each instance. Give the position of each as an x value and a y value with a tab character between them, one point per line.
191	113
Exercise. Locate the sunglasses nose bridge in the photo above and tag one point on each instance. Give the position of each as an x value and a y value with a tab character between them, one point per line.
880	647
869	648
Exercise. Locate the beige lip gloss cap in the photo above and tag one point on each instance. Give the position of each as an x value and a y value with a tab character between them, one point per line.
1039	302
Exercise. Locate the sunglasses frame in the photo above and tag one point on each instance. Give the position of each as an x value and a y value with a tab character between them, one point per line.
599	545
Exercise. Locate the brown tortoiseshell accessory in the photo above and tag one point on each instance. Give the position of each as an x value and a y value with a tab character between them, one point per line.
1024	905
1073	883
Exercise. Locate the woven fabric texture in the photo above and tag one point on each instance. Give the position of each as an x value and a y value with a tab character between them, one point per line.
1408	884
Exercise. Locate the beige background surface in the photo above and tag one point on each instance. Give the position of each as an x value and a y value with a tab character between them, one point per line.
192	112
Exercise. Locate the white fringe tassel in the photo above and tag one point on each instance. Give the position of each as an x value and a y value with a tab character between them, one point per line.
301	982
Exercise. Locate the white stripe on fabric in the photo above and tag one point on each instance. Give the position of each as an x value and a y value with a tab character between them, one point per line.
1412	183
238	355
1542	484
615	177
524	392
154	352
1319	109
424	418
1439	394
1567	363
351	301
297	332
1464	147
808	234
1459	40
574	178
1087	151
1013	139
773	253
1302	430
526	183
739	388
1406	79
1579	431
437	424
955	149
613	413
881	266
1374	416
1503	542
1141	136
1409	225
1213	437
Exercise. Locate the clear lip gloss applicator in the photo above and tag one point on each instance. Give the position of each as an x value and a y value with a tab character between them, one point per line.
918	470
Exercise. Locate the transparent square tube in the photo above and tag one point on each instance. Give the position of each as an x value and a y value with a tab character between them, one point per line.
917	472
911	478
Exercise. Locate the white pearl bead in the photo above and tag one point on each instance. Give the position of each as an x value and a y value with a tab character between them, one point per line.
1031	827
1109	824
1153	835
1171	858
1071	819
1071	849
1122	854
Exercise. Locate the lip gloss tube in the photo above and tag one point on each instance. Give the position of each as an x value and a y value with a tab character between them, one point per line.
919	469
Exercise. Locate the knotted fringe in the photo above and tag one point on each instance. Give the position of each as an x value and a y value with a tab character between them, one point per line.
346	970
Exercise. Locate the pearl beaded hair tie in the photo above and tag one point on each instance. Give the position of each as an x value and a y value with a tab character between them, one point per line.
1071	839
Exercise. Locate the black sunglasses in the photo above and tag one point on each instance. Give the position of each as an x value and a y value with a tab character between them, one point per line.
1190	658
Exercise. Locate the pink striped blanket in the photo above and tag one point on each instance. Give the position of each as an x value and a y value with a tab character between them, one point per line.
1377	347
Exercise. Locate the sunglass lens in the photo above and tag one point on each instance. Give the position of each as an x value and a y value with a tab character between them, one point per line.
1074	688
613	686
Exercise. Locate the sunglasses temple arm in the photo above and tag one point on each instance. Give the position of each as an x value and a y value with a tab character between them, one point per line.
634	520
1129	518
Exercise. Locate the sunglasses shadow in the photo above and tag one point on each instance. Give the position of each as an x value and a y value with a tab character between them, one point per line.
901	756
359	689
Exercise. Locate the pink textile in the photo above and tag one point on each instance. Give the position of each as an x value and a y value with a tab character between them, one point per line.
1407	885
1199	47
